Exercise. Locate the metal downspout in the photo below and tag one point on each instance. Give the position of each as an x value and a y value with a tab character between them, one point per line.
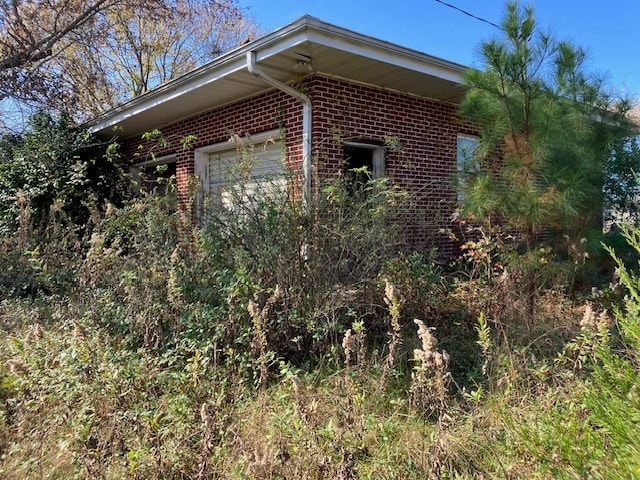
306	122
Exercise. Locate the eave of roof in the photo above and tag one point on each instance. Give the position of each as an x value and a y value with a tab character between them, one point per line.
329	49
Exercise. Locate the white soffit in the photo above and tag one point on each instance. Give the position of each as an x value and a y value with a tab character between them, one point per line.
333	51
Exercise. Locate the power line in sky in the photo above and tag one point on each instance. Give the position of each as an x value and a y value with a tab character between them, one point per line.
468	13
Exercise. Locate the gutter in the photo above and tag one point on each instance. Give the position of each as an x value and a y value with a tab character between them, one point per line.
306	122
305	29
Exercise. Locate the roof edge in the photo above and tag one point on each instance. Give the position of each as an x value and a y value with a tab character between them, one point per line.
238	52
236	59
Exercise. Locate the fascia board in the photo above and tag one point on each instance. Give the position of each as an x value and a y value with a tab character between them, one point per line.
306	29
144	103
391	54
392	49
225	65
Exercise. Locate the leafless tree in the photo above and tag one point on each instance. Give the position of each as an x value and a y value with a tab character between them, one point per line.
31	30
82	57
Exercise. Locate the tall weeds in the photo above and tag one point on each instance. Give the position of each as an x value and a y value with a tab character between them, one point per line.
430	376
172	351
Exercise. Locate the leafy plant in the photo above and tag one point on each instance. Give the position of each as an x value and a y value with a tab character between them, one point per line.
545	133
593	433
55	169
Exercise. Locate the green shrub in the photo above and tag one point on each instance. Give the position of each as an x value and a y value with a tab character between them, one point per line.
40	262
594	432
327	262
55	167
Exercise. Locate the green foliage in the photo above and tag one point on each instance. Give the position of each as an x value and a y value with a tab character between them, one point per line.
149	271
147	367
594	432
621	187
545	133
422	284
163	283
327	265
29	271
54	167
96	408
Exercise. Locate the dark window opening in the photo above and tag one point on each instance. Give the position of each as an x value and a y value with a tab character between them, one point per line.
358	167
156	179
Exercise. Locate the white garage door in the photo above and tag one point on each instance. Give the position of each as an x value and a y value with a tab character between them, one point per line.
238	178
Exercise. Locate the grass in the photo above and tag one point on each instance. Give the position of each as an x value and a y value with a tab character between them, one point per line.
160	351
80	403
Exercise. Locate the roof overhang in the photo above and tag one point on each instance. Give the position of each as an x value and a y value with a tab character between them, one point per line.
305	46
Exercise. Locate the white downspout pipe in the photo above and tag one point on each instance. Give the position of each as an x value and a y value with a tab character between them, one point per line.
306	123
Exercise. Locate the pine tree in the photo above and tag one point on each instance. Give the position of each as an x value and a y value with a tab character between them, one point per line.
545	128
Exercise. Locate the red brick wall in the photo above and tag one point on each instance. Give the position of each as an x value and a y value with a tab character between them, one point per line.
267	111
424	132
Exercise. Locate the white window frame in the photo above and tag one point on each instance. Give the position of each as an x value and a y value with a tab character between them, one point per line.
462	136
202	155
378	156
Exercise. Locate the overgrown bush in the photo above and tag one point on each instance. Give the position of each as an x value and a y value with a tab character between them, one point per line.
39	258
55	181
146	367
156	348
54	166
327	260
594	433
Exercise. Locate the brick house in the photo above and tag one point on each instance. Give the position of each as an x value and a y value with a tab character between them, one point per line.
332	99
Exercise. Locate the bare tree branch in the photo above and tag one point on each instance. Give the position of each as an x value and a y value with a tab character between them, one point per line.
34	49
85	56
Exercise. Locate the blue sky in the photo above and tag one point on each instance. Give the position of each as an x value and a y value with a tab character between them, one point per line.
608	30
